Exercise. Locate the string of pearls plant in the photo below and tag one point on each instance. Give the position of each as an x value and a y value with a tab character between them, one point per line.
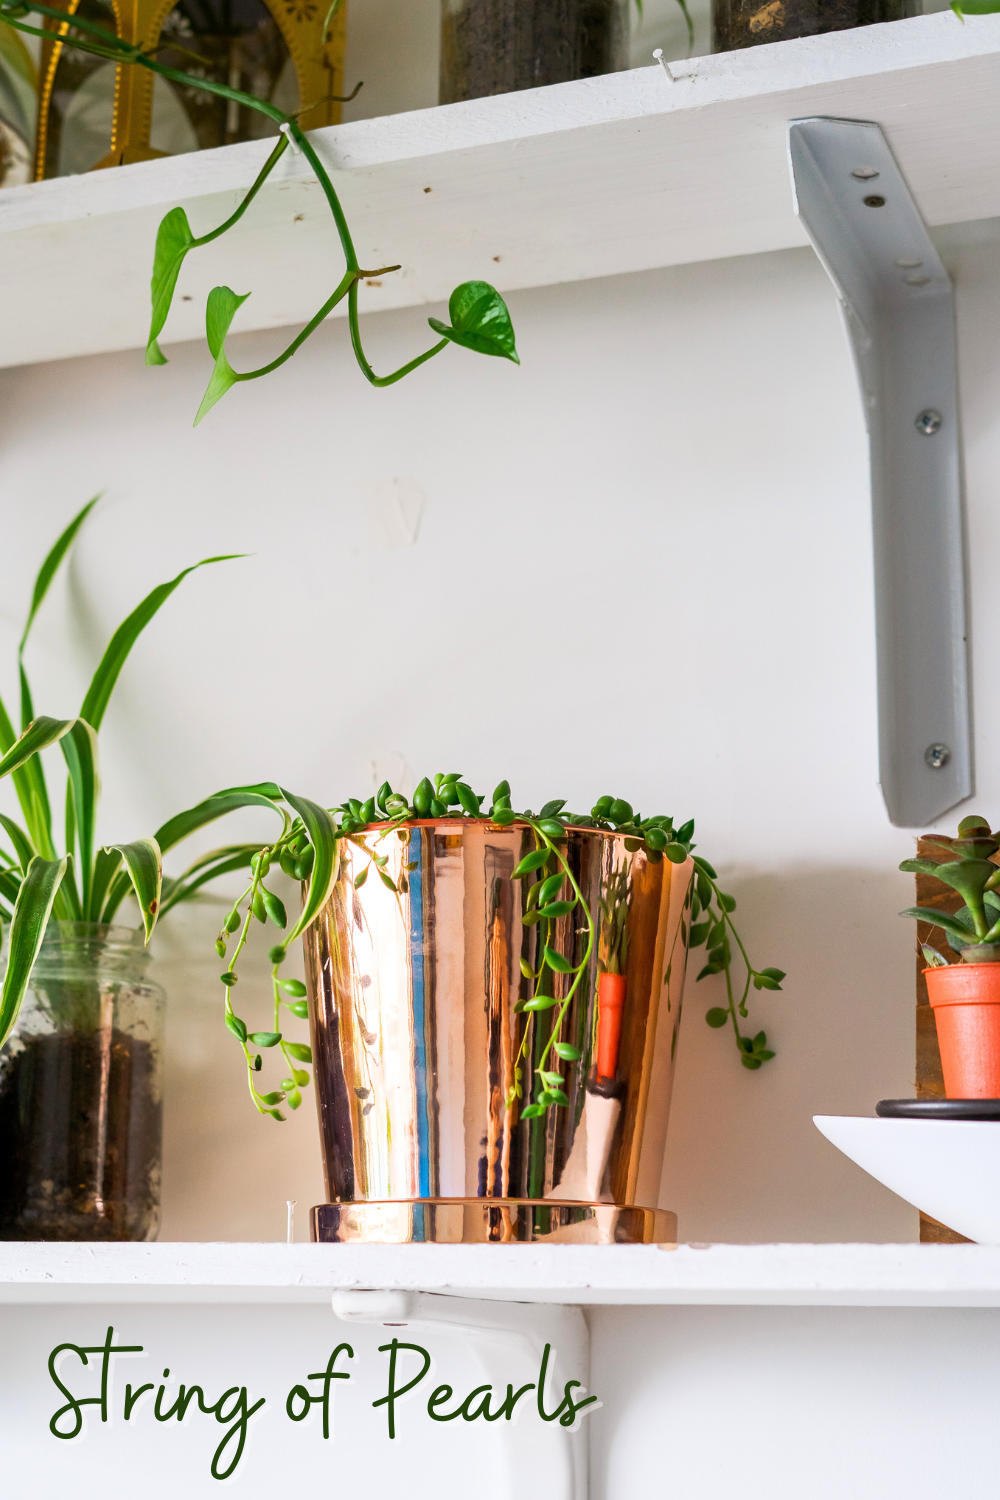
307	850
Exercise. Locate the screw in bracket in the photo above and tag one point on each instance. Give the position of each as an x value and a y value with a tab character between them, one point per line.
929	422
937	756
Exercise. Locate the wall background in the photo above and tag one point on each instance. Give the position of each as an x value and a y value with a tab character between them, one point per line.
679	470
681	461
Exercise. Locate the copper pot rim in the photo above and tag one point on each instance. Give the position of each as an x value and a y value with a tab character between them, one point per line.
463	819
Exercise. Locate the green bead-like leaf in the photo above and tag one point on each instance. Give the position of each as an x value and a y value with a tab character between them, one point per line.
294	987
265	1038
556	961
237	1027
223	304
468	799
717	1016
275	909
301	1051
532	1111
479	321
564	1050
532	861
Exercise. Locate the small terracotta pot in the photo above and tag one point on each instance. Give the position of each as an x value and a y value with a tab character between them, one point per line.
610	1004
966	1002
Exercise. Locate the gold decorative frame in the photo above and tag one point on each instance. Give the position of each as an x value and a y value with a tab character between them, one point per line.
319	67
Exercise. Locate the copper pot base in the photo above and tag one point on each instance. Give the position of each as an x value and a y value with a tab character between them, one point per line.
494	1221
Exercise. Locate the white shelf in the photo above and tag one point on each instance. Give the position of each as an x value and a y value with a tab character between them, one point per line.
609	175
745	1275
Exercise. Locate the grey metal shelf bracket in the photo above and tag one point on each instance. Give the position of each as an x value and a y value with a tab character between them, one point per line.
507	1339
898	309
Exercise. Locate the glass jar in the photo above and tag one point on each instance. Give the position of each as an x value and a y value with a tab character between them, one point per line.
500	46
81	1092
748	23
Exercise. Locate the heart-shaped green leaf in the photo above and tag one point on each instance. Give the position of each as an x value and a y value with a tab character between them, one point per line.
479	321
173	241
222	307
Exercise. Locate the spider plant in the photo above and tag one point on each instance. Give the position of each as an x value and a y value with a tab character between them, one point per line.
65	874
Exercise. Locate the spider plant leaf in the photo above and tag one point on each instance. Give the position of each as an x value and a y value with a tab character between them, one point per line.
222	307
23	847
79	748
173	241
46	573
30	918
34	772
10	884
106	865
40	733
221	862
479	321
125	637
185	823
322	831
145	870
25	783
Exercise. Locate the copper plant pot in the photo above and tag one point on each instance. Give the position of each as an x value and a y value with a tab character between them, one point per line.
415	1038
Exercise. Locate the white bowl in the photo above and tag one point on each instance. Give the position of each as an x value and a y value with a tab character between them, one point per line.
949	1168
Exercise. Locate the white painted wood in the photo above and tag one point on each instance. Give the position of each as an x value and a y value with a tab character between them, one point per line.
587	179
747	1275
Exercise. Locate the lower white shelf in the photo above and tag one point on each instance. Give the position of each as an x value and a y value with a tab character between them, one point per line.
738	1275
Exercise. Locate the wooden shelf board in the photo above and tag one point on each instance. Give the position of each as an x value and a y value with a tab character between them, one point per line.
608	175
743	1275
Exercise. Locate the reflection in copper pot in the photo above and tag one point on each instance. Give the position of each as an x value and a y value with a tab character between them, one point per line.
415	1037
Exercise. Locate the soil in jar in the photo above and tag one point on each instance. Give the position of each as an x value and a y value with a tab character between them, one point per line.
501	46
81	1129
747	23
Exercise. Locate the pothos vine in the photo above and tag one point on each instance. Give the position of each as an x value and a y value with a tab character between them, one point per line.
308	851
479	317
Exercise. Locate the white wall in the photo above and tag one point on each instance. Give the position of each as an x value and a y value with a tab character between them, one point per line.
768	1402
644	567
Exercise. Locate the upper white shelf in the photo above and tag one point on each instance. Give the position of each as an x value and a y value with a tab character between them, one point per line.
760	1275
614	174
